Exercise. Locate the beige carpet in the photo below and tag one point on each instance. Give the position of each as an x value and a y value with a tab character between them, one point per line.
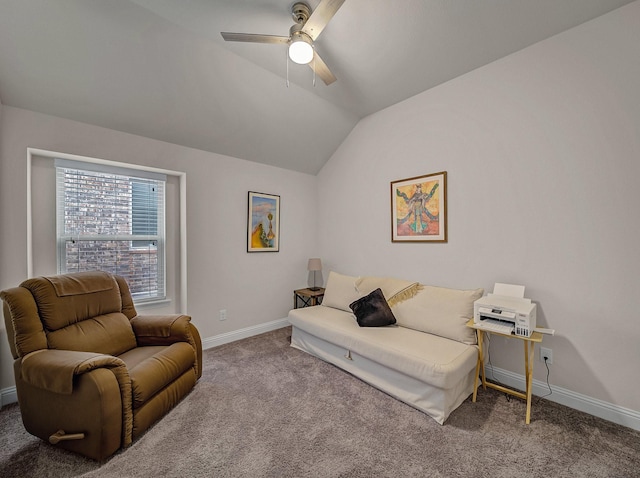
264	409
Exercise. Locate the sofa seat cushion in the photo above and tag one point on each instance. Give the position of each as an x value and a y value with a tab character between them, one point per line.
434	360
153	368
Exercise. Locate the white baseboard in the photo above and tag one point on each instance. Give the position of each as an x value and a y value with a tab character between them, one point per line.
8	395
227	337
599	408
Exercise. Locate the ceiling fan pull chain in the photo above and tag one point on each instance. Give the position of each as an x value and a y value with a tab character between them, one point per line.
287	55
314	67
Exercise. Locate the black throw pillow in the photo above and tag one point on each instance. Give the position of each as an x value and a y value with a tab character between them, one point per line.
372	310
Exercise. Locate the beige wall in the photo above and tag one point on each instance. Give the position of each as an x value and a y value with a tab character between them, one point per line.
542	150
254	288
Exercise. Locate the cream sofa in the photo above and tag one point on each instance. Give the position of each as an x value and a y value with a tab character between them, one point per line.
427	359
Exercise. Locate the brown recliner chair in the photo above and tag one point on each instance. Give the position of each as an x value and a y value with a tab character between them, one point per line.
92	375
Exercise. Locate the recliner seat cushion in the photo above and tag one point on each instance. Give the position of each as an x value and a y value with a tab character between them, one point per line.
152	368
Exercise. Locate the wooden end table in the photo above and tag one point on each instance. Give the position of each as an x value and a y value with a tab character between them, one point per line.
307	297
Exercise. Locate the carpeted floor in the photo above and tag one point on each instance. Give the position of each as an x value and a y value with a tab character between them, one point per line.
264	409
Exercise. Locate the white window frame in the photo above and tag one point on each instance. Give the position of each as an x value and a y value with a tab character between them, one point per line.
181	175
118	177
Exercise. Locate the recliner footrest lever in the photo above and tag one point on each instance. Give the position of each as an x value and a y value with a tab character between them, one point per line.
60	435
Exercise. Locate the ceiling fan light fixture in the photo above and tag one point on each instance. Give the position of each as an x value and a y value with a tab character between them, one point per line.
301	48
300	41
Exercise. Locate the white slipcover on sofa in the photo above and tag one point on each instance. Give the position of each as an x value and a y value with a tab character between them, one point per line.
427	359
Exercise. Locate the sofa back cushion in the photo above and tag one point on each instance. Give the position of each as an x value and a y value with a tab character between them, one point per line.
340	291
440	311
394	290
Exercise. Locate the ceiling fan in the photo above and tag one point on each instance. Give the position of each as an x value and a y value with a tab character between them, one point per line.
302	34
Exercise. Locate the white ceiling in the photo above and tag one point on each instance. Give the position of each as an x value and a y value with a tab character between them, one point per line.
159	68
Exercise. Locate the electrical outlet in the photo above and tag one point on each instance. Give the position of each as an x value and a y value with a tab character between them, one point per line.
548	353
223	314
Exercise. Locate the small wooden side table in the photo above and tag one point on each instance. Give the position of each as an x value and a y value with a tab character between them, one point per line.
307	297
529	346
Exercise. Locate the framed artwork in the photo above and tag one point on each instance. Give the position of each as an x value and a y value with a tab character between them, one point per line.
263	223
419	209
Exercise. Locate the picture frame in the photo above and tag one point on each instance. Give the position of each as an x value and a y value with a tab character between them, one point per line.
263	222
419	209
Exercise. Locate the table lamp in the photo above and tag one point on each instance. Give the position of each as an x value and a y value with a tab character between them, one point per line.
314	265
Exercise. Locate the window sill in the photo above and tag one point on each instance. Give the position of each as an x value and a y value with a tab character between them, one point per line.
152	304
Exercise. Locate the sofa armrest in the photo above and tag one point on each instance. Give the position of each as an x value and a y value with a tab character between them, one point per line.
54	370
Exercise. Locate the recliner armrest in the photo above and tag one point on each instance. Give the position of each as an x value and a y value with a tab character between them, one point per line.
161	329
54	370
166	330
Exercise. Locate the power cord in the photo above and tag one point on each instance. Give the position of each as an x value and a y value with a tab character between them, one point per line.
546	364
494	379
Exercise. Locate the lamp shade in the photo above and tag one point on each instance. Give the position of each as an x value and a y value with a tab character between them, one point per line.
301	49
314	265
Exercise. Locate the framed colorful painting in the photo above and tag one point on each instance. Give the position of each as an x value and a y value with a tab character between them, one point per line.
419	209
263	223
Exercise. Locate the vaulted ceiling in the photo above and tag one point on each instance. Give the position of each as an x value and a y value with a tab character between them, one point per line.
160	68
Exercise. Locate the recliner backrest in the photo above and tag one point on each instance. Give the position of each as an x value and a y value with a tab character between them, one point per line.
80	311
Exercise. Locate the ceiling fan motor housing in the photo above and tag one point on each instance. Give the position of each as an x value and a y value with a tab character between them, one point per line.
300	12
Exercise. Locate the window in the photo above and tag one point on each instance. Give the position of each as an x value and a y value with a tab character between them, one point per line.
112	219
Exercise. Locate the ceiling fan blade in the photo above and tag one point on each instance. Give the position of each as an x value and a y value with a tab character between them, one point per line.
252	38
322	70
320	17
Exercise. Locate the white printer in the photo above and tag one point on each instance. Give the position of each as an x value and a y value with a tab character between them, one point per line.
507	305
